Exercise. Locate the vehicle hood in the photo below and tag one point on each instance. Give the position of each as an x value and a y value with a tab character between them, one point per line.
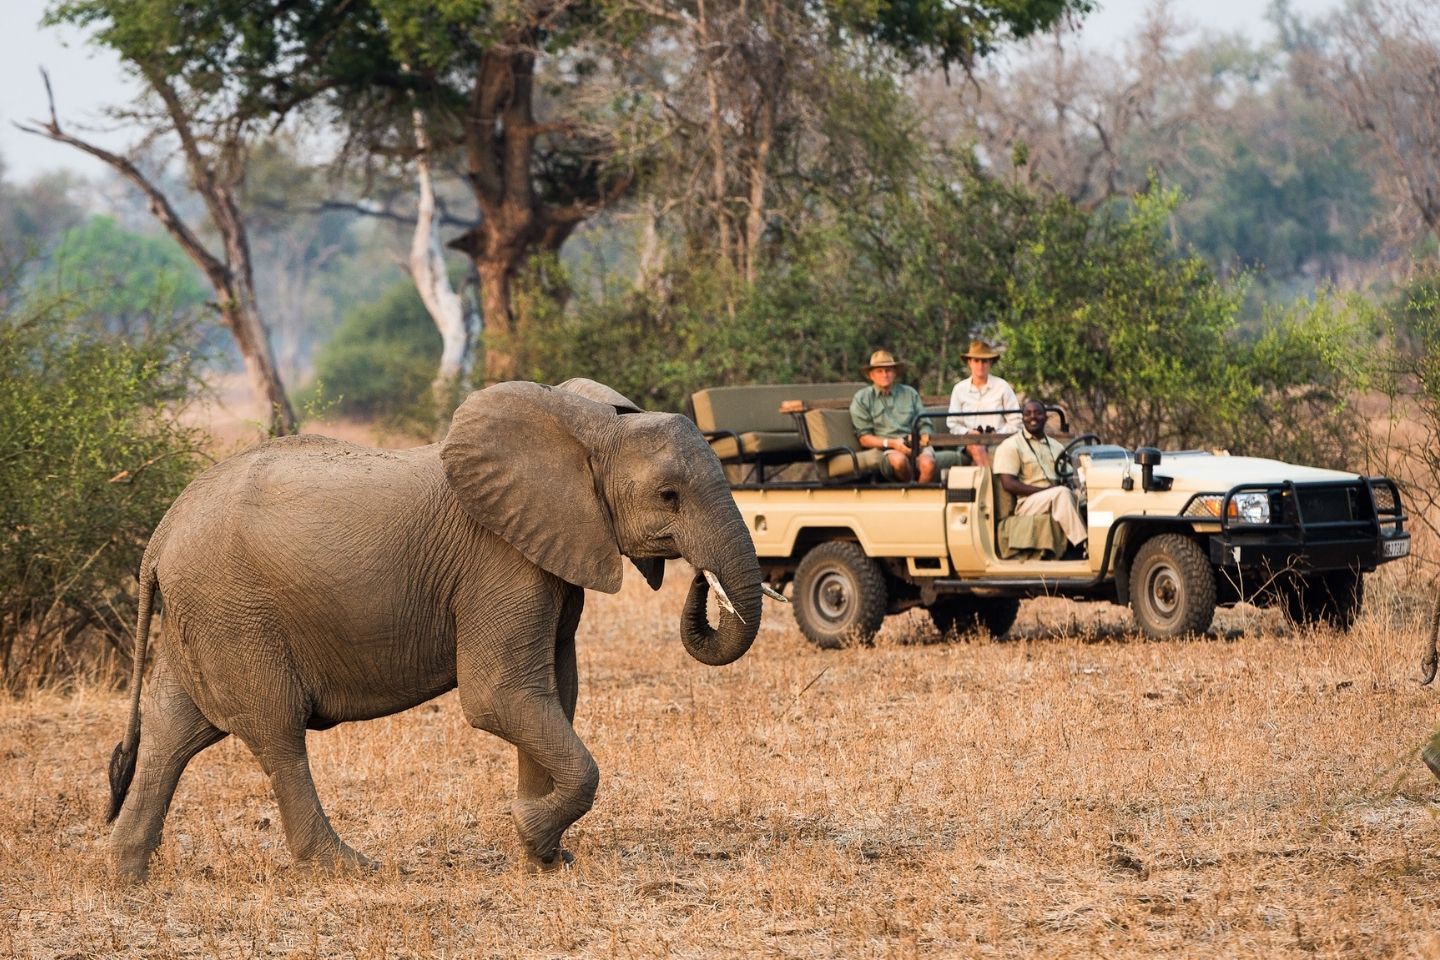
1203	472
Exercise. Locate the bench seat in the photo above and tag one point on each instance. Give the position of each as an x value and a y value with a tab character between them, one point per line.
744	424
832	440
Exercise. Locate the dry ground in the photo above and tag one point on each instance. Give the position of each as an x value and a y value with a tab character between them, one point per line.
1075	791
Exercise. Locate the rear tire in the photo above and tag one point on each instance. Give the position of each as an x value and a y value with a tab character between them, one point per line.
1332	599
966	615
840	595
1172	587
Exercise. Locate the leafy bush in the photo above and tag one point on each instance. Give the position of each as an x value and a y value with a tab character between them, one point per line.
382	359
92	454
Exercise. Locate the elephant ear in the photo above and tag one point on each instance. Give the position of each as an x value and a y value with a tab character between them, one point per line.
517	460
652	568
593	390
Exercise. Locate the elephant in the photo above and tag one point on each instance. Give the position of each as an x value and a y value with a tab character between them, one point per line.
308	582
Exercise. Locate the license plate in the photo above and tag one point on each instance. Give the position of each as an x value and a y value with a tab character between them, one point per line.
1397	548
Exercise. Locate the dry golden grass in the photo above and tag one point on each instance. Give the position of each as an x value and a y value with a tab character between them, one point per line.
1076	791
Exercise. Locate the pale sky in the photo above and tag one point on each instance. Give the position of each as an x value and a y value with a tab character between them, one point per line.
86	79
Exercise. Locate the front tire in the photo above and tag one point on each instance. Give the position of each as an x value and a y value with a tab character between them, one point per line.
839	595
965	615
1172	587
1331	599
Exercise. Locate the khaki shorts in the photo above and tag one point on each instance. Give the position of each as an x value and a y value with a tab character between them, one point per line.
942	459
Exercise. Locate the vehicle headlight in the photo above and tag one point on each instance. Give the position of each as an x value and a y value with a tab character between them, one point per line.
1251	507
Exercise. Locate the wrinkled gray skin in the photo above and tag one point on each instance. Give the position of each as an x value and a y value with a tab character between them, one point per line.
309	582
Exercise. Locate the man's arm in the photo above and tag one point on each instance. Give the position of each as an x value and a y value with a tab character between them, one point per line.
1007	470
917	407
1015	486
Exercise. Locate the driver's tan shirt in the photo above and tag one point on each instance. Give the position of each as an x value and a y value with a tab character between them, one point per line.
1032	460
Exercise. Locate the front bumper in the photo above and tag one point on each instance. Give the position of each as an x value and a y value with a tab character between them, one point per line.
1354	525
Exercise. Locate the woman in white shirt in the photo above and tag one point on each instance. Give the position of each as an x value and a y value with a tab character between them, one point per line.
981	391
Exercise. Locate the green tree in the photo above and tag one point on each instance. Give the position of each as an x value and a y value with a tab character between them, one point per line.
381	360
123	276
215	78
34	214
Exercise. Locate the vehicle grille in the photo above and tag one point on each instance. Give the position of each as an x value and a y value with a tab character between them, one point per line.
1332	504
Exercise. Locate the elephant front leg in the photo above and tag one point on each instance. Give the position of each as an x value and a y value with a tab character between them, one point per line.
534	779
517	680
558	777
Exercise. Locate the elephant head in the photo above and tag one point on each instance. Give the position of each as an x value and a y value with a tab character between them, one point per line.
576	477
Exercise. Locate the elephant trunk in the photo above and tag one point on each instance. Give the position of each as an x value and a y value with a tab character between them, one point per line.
737	579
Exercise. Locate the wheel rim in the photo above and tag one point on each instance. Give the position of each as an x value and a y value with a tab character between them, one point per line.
833	596
1165	591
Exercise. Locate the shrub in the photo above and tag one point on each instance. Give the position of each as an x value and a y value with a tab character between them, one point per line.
381	361
91	455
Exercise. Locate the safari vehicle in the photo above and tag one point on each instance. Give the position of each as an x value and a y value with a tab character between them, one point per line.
1173	535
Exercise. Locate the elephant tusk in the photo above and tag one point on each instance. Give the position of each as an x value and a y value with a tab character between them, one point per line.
724	600
773	594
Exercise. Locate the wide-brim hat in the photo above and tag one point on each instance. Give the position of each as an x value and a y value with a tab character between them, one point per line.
980	350
880	359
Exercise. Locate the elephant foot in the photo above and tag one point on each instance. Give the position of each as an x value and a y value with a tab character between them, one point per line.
342	861
130	862
130	872
534	821
561	859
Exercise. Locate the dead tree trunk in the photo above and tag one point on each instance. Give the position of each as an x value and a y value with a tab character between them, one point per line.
458	325
230	276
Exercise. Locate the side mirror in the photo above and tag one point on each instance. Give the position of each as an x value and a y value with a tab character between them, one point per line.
1149	459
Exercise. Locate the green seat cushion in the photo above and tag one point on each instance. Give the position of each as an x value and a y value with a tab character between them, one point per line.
831	428
834	428
840	465
755	443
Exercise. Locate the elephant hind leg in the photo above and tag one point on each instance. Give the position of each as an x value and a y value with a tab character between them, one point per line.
172	732
311	838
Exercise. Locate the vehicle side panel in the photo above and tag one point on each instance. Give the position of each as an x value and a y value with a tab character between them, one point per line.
887	521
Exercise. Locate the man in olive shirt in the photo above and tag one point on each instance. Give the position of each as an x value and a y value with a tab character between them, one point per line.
1025	465
885	412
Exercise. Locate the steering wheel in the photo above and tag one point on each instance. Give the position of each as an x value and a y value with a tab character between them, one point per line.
1064	460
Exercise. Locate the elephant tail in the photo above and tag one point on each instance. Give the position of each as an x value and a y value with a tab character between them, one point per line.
122	761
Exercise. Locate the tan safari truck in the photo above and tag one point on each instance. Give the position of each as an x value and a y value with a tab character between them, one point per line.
1173	535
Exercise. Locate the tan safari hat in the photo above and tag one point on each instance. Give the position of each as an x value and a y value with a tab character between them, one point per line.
980	350
880	358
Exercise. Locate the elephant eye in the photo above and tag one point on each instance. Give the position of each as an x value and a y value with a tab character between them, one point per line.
670	498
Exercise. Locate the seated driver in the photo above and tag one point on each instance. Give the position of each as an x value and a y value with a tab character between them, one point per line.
1025	465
